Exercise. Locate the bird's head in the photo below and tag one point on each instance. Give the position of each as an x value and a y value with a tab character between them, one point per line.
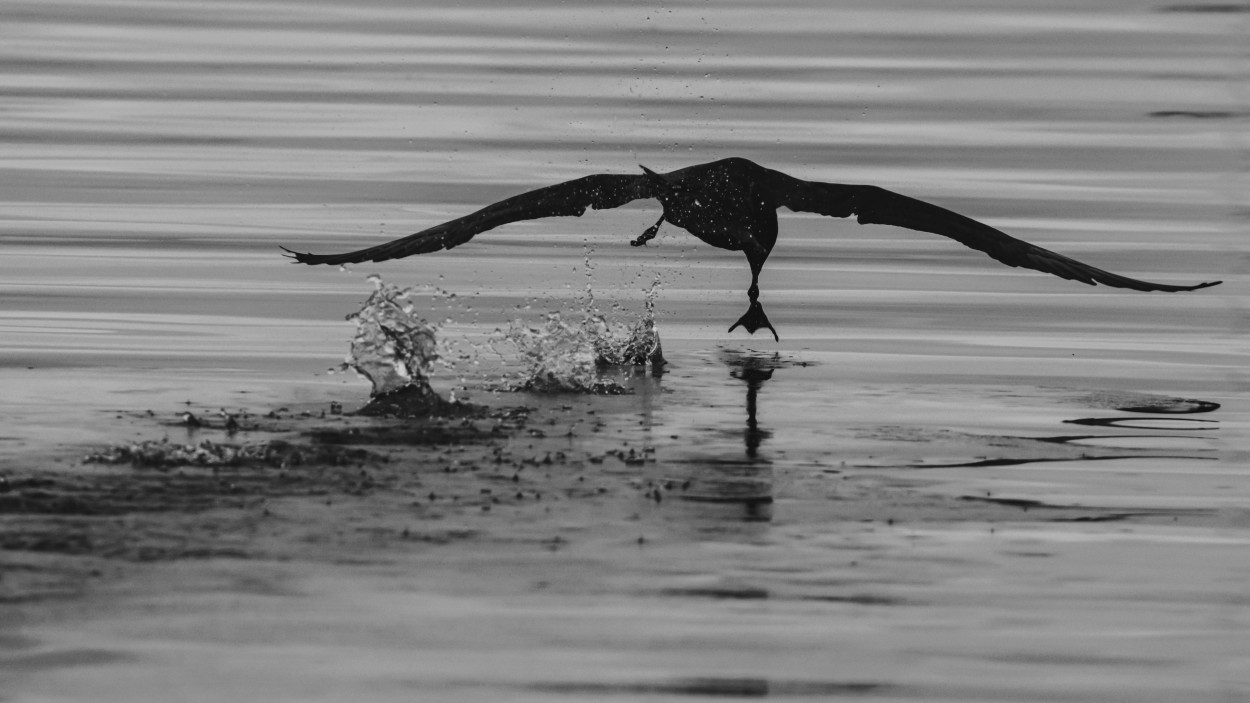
662	185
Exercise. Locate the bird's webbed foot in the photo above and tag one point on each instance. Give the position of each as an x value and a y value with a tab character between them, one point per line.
648	235
755	319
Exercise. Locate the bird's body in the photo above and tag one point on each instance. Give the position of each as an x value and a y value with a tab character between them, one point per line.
732	204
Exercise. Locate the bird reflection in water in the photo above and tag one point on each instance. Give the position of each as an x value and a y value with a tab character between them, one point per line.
754	371
744	484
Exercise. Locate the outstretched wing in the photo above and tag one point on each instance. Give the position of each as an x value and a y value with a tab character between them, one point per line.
568	199
873	205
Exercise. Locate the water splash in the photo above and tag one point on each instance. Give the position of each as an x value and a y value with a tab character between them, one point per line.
558	356
637	345
398	350
563	356
393	347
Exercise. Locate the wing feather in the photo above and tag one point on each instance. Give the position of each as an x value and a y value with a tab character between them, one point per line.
568	199
874	205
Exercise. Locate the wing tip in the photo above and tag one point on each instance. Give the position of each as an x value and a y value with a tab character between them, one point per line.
300	257
1207	284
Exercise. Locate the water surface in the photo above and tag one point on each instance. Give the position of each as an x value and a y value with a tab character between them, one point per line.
155	154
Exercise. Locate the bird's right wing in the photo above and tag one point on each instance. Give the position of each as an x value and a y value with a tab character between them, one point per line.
874	205
568	199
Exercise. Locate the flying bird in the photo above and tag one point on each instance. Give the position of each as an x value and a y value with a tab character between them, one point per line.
732	204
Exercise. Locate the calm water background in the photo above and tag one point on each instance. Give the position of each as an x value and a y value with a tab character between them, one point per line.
153	155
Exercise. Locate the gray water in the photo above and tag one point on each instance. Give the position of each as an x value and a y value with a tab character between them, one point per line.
154	155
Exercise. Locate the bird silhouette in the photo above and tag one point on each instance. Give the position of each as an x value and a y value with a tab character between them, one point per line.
732	204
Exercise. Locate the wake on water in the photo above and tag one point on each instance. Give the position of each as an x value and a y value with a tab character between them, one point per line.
398	350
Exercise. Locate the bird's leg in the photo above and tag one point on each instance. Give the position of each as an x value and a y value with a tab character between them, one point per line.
649	234
755	318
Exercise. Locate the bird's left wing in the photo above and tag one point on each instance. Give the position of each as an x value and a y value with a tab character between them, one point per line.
568	199
874	205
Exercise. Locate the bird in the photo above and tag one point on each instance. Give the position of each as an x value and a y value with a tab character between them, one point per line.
732	204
